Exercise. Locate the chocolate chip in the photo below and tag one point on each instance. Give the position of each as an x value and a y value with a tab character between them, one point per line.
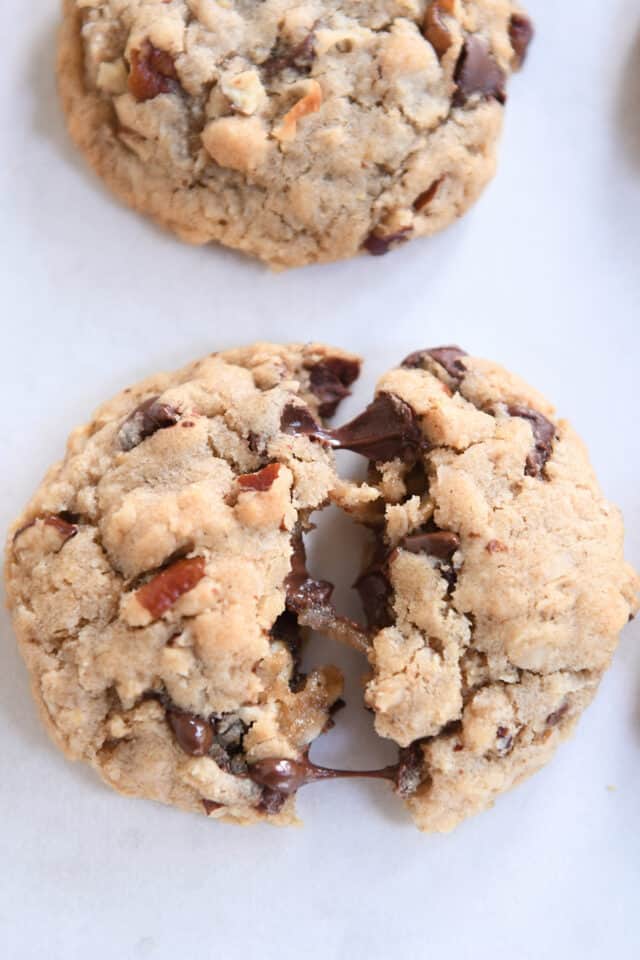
152	72
441	544
378	244
193	733
260	481
477	72
554	718
447	357
144	421
425	198
434	27
272	801
409	769
302	591
210	806
543	436
504	741
329	381
161	592
284	57
388	429
520	34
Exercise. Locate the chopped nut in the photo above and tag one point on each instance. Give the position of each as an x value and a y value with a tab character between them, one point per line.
244	91
311	102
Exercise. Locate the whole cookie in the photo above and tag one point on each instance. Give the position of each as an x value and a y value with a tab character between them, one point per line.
157	576
296	132
496	586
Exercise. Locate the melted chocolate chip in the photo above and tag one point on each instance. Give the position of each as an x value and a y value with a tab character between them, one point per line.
287	631
260	481
161	592
194	734
543	436
288	776
302	591
409	769
388	429
144	421
152	72
520	34
329	381
272	801
378	244
447	357
477	72
441	544
297	421
376	596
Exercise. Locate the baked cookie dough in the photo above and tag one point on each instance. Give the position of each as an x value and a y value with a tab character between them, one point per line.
495	587
157	577
295	132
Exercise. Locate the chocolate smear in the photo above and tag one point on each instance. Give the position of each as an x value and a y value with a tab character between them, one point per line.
424	199
282	57
302	591
329	381
287	631
477	72
447	357
543	436
378	244
408	775
144	421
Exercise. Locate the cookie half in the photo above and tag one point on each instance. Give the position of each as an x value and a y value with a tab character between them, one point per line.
157	577
495	587
295	132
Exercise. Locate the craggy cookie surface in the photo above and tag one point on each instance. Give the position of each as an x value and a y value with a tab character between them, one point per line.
152	588
296	132
497	586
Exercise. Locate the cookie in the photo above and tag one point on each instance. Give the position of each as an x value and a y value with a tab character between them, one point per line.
157	577
495	587
295	132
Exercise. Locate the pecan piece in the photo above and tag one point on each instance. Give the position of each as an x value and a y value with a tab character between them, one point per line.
152	72
161	592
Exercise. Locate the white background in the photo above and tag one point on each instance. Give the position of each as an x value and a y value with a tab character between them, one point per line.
542	276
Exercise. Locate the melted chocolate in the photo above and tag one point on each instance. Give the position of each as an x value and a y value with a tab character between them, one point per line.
441	544
144	421
447	357
329	381
520	34
194	734
543	436
302	591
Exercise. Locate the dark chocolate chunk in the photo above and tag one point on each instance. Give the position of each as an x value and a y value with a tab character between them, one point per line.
521	34
439	543
388	429
260	481
144	421
194	734
283	57
447	357
554	718
543	436
297	421
409	769
424	199
477	72
152	72
302	591
161	592
329	381
378	244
